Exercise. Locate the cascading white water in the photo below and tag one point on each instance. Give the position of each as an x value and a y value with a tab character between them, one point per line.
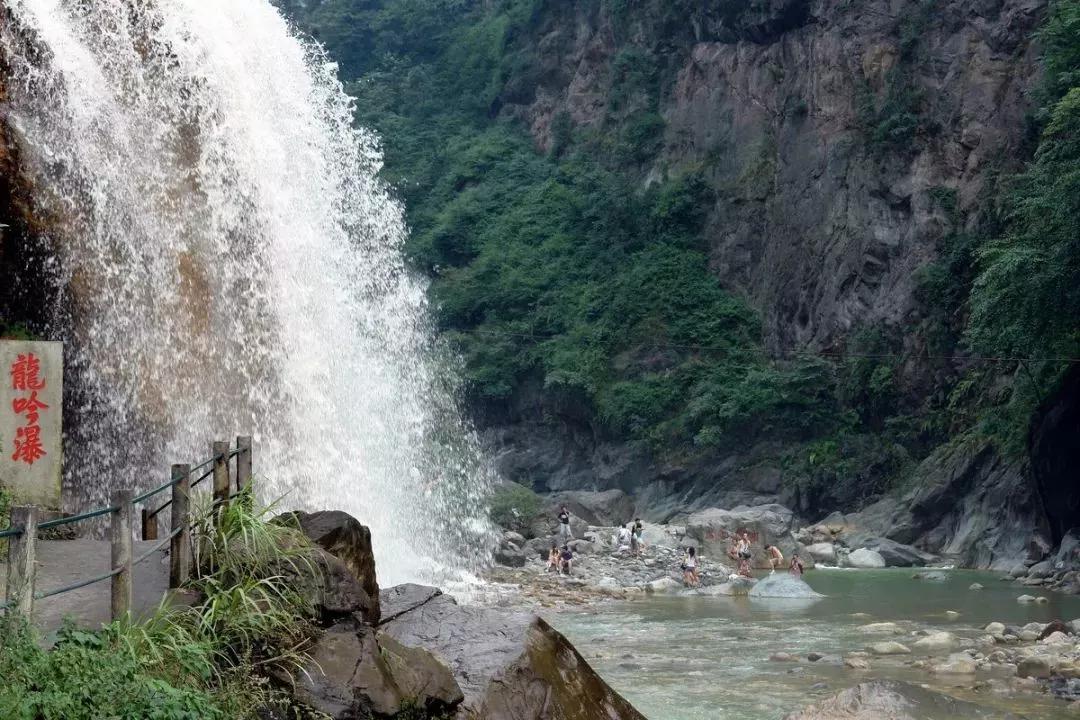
233	265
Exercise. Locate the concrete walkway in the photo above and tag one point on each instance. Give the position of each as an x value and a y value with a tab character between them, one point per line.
62	562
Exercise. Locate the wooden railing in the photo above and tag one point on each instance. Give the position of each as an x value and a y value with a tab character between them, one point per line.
24	527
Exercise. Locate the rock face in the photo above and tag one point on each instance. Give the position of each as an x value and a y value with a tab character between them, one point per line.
509	665
342	535
825	230
892	700
606	508
713	529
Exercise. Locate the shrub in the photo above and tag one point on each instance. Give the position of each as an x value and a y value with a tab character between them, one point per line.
513	507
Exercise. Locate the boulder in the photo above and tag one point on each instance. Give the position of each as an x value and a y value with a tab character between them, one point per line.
996	629
582	547
766	524
1034	666
852	662
955	664
355	672
510	665
330	585
608	508
342	535
864	558
1024	599
889	647
1042	569
509	555
822	552
400	599
894	700
935	643
1055	626
663	585
975	586
782	585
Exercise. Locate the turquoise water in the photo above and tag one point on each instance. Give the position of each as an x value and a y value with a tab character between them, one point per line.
697	658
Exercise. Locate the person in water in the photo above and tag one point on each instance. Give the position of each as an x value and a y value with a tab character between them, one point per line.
567	560
796	568
553	558
564	524
776	558
690	568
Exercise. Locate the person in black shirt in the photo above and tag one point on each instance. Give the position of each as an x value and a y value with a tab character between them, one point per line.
564	524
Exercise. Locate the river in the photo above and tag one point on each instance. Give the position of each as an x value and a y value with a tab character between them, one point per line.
692	658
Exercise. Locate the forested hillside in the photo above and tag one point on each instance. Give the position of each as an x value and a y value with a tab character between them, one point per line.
822	251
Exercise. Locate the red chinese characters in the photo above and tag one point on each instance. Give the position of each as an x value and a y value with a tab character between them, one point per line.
26	377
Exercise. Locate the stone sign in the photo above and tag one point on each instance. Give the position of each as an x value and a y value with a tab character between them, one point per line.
31	431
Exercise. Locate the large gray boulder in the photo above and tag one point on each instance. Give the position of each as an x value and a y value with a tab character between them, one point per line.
510	665
783	585
343	536
894	700
766	525
863	558
608	508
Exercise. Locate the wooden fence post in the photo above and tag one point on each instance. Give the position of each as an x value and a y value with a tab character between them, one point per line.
180	548
220	451
243	462
21	552
149	525
120	535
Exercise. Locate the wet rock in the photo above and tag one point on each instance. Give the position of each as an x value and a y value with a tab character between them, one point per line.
342	535
1055	626
783	585
864	558
663	585
814	657
400	599
894	700
782	657
935	643
1026	599
355	672
975	586
889	648
856	663
1055	638
897	554
1041	569
510	665
1034	666
509	555
995	628
931	576
881	628
955	664
1064	688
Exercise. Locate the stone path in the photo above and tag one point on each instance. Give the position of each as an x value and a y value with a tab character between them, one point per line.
62	562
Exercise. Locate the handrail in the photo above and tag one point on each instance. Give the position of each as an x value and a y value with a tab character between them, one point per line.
178	537
76	518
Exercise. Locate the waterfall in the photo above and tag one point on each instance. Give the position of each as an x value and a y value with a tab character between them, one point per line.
231	264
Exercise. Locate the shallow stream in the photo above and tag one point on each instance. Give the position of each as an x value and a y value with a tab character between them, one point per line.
692	658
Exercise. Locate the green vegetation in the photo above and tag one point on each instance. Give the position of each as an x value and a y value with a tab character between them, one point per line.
514	506
578	272
204	662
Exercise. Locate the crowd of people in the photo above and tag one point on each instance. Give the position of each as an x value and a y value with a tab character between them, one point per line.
629	539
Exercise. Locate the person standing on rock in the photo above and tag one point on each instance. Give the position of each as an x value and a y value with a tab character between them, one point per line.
690	568
636	536
626	539
776	558
743	548
564	525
